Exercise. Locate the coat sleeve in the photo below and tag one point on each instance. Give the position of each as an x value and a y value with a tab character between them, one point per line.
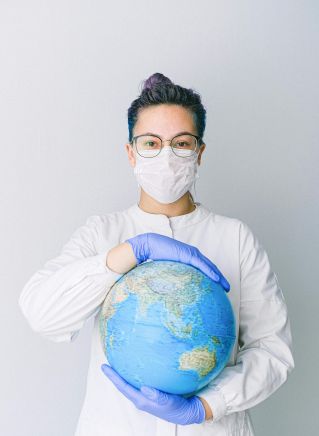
60	297
265	358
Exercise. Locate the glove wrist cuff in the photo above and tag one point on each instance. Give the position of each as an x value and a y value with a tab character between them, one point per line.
139	246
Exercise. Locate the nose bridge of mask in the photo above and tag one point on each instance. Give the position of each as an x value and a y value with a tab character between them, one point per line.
169	158
166	159
168	155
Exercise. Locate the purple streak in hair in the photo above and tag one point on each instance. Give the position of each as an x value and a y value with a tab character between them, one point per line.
156	79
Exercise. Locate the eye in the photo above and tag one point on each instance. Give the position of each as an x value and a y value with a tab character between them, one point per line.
182	144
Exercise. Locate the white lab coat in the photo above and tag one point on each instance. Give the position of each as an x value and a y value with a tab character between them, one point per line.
59	298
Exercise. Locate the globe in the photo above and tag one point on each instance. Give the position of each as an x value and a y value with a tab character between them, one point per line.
167	325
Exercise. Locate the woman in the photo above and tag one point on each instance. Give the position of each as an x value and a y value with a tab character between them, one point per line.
166	126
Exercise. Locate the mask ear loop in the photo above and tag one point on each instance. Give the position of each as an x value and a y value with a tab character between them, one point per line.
139	192
194	186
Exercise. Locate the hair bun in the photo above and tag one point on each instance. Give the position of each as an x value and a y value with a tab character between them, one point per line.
155	80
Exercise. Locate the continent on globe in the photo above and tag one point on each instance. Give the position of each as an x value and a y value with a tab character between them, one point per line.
167	325
199	359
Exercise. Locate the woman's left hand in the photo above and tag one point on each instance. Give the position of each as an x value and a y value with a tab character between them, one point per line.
171	407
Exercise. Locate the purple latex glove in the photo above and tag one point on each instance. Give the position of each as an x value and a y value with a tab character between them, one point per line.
171	407
159	247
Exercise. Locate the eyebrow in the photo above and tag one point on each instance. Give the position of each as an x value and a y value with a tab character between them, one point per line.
179	133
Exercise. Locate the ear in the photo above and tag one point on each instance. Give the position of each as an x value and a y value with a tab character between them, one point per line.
130	154
202	148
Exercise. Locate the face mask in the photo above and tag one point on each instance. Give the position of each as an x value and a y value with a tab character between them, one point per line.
166	177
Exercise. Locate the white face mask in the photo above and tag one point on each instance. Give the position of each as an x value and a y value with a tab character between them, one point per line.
166	177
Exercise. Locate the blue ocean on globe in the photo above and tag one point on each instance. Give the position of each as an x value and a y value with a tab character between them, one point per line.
167	325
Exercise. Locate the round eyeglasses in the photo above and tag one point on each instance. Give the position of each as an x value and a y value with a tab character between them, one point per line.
151	145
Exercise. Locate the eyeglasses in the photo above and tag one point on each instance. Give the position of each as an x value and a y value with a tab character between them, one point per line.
151	145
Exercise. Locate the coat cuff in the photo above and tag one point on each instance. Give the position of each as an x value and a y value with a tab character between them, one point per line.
216	401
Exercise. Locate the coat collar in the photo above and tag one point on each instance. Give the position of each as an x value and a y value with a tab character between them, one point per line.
159	220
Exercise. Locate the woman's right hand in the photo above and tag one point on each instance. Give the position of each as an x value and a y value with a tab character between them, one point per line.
160	247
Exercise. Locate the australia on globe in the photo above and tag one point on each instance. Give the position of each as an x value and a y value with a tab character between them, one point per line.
167	325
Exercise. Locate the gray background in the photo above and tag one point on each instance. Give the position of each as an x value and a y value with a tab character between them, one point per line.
69	71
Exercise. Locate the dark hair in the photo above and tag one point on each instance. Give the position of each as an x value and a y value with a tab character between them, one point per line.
159	89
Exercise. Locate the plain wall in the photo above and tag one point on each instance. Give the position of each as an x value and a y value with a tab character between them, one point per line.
69	71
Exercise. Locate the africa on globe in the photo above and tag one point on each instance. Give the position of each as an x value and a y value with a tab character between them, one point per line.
166	325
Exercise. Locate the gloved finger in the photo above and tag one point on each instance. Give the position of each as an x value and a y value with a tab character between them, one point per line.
225	284
223	281
210	269
153	394
122	385
202	265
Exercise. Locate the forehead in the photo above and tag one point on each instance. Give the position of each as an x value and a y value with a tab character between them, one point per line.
164	120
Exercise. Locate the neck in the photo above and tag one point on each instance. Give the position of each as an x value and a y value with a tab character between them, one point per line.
181	206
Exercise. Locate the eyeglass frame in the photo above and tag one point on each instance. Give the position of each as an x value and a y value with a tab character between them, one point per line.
198	139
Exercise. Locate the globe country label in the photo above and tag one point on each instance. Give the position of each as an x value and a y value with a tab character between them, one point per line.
167	325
